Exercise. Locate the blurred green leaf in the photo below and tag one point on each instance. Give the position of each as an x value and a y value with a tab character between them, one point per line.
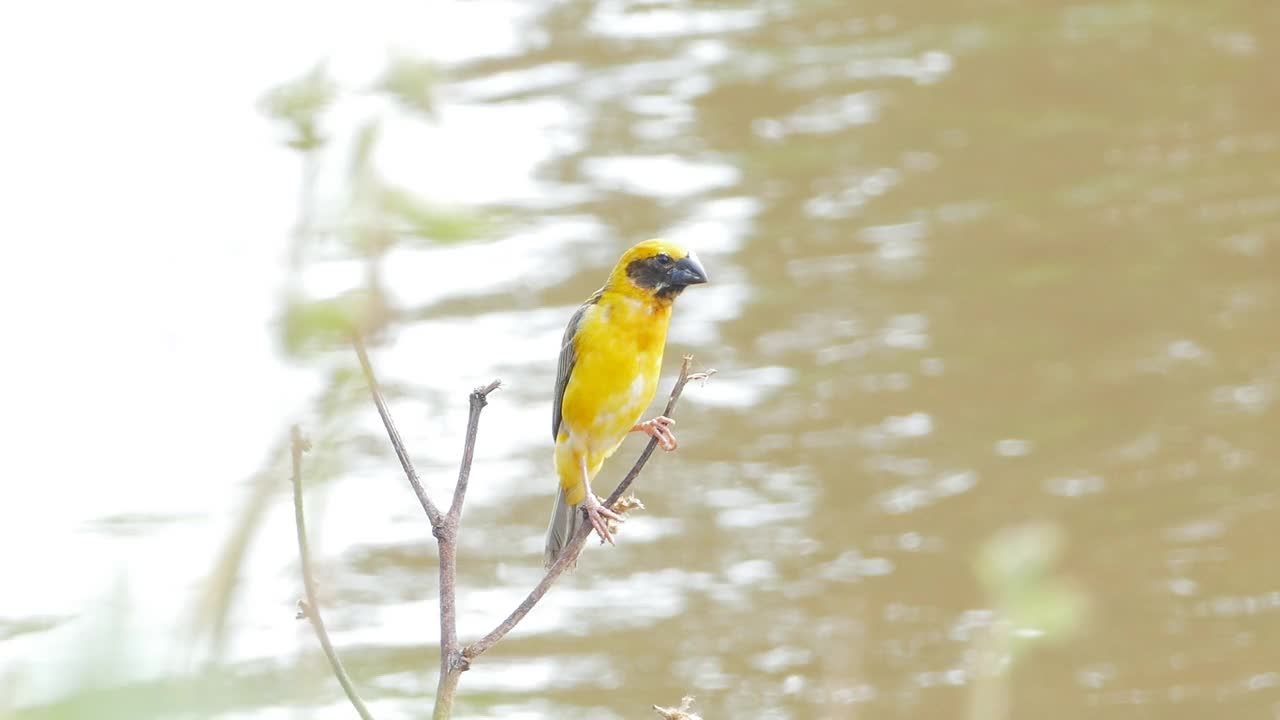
1055	610
360	168
429	222
410	82
1017	558
212	610
310	325
299	104
367	230
1016	566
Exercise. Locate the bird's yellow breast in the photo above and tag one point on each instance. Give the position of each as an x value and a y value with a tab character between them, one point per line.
619	347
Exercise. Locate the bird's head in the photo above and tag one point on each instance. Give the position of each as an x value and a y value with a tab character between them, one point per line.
657	268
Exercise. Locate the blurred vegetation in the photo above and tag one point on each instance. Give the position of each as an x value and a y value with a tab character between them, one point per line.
363	220
360	216
1031	603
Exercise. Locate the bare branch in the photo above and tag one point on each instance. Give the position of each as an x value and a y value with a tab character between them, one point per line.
450	664
479	398
433	513
311	608
570	554
443	526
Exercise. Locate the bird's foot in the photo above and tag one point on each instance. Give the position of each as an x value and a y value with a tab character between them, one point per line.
660	429
597	514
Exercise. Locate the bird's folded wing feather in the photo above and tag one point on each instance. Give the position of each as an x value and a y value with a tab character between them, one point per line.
568	358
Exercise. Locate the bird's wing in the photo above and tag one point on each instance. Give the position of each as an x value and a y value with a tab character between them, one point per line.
568	358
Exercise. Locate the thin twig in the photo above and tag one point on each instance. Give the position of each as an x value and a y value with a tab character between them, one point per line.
312	606
676	391
570	554
433	513
479	398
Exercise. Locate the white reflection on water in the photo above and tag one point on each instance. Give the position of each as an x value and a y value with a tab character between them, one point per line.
743	387
539	675
908	331
915	495
1012	447
1253	397
663	176
500	85
617	19
830	115
419	278
1074	485
760	494
440	160
852	565
717	226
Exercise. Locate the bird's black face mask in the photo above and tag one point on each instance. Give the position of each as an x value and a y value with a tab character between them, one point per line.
665	276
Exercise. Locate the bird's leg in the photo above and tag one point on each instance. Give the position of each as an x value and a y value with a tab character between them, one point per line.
595	510
660	428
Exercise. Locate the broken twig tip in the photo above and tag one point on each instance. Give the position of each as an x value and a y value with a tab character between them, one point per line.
702	377
684	712
300	442
624	505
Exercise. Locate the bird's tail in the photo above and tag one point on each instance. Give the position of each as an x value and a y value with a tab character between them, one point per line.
565	520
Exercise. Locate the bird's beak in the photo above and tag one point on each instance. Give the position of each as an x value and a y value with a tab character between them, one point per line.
688	272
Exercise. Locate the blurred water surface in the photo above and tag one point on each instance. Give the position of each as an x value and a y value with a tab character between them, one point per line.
974	264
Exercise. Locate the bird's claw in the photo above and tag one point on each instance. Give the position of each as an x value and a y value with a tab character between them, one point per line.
659	428
596	515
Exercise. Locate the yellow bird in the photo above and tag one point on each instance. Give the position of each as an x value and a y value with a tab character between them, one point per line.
610	359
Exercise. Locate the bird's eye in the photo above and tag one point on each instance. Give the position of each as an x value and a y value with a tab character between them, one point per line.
664	260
